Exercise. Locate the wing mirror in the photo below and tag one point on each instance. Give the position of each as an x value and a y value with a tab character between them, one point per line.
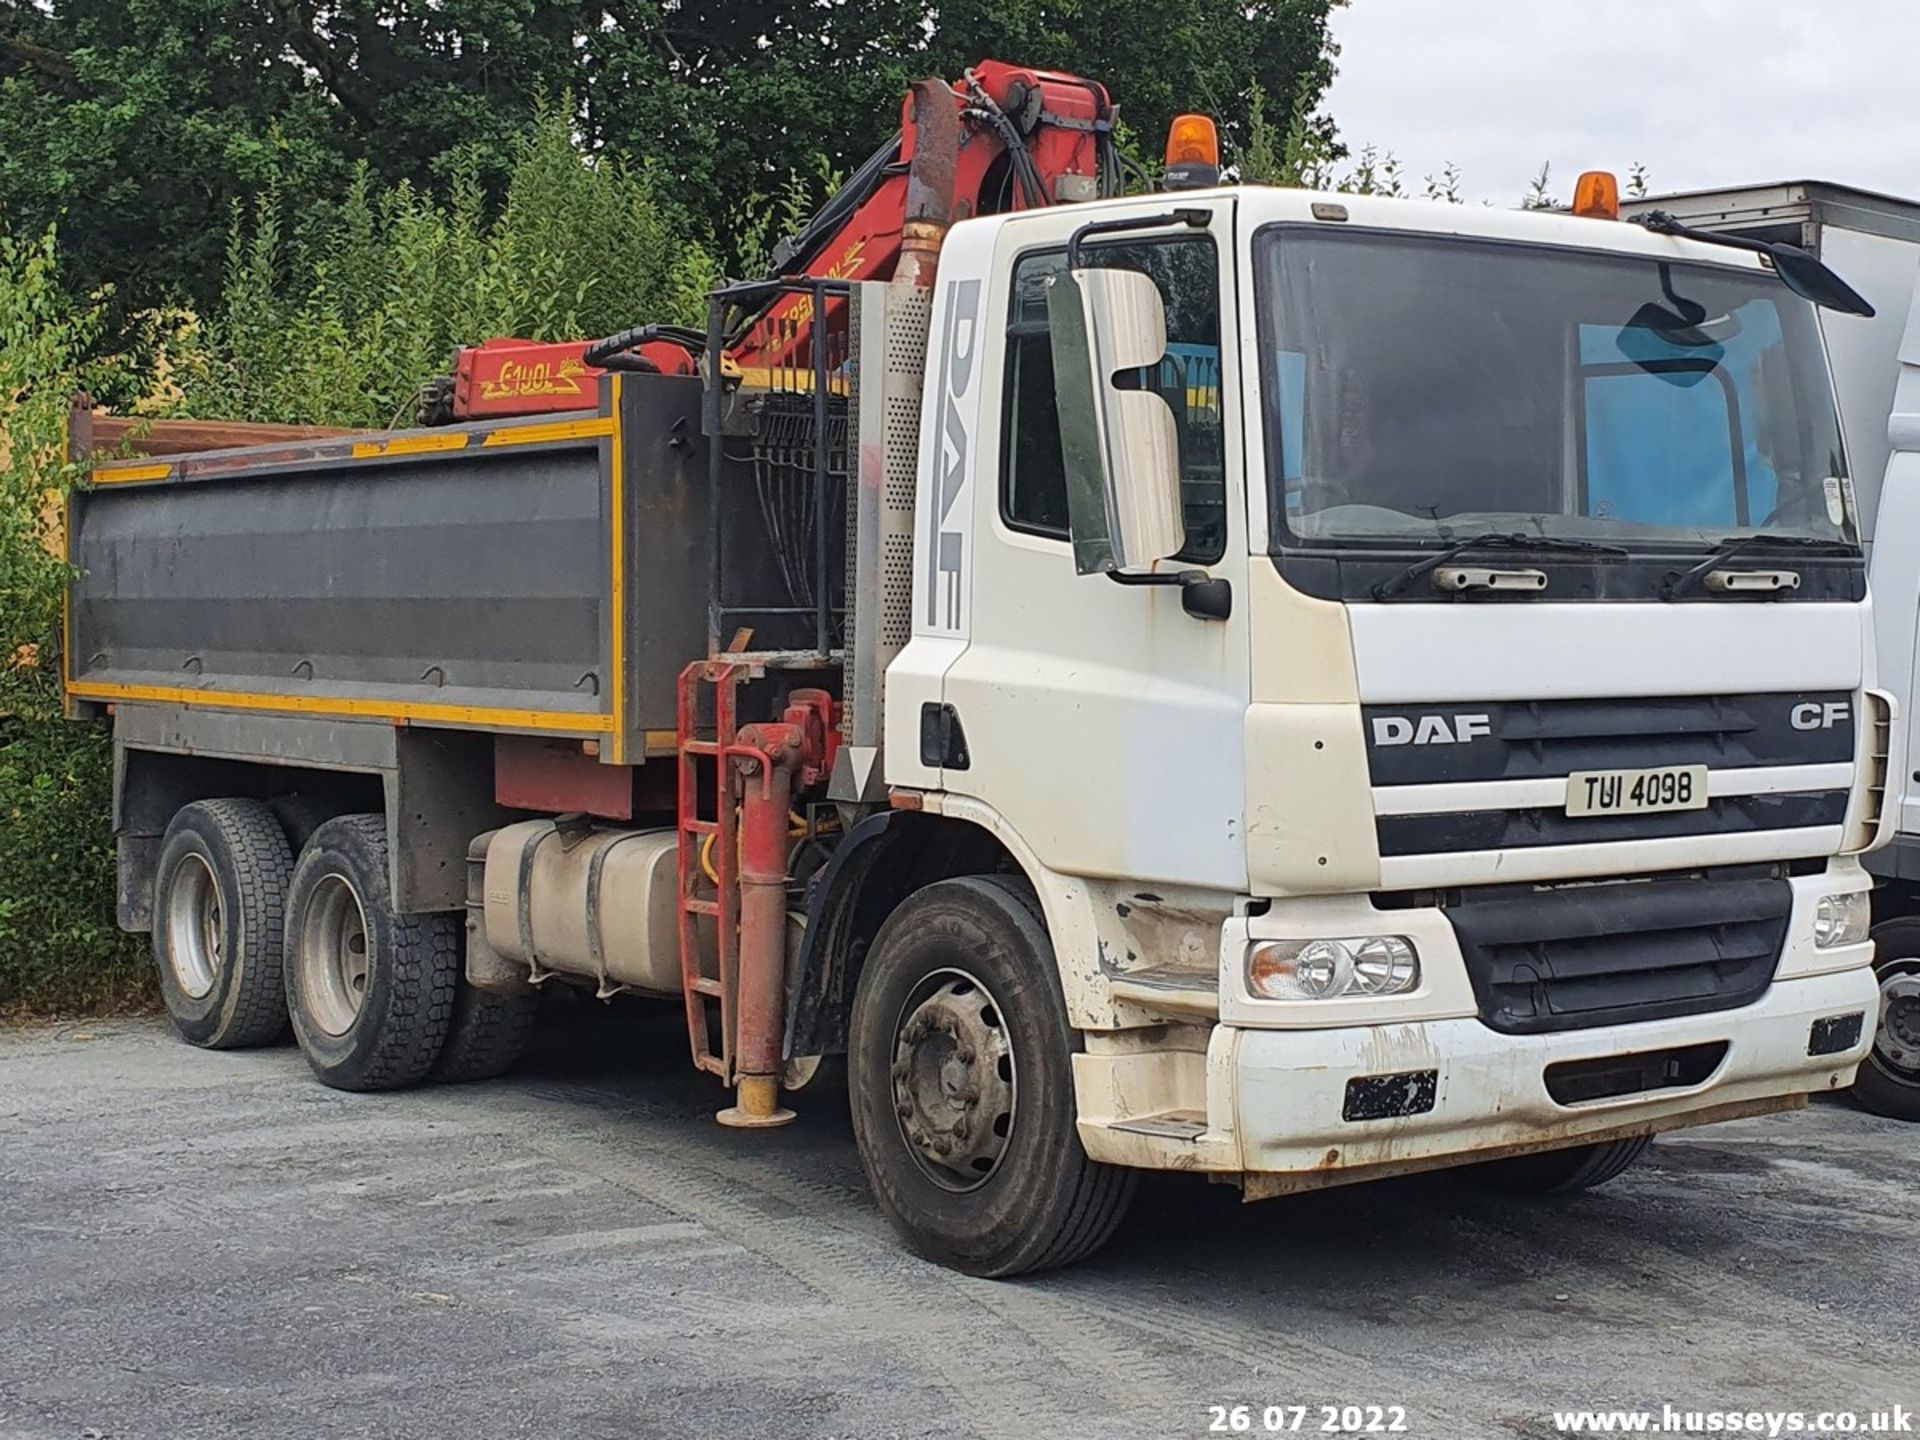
1799	270
1808	278
1121	452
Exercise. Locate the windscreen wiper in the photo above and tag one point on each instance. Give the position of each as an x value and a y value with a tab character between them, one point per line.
1680	580
1490	540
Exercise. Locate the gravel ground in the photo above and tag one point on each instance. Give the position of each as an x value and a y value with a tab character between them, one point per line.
213	1244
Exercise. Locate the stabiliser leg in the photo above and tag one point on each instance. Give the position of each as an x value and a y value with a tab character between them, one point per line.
769	763
765	759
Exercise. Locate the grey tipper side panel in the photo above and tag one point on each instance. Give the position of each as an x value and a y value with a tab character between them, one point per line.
472	577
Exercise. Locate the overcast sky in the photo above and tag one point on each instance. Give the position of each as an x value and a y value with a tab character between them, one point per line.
1704	92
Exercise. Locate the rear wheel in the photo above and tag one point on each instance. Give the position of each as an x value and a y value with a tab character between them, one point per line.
1561	1172
487	1035
1889	1079
371	991
300	815
218	920
961	1079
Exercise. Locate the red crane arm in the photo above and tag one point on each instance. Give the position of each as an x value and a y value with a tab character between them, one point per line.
1027	137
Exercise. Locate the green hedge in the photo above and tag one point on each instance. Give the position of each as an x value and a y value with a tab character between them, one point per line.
335	315
59	949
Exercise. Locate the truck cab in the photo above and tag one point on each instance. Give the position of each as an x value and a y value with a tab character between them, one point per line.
1514	797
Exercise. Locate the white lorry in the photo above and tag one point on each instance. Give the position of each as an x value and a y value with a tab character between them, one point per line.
1326	687
1874	240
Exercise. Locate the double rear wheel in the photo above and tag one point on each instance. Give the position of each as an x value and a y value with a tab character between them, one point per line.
248	938
377	997
1561	1172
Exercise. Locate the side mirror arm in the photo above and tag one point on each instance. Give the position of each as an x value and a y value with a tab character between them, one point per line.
1203	596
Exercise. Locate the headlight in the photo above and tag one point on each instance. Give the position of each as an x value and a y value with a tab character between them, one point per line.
1332	969
1841	920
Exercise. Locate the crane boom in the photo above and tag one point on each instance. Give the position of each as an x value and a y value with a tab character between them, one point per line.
1026	138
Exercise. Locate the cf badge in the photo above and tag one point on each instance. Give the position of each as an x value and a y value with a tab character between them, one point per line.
1819	715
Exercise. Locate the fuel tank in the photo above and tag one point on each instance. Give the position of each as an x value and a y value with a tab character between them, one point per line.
581	900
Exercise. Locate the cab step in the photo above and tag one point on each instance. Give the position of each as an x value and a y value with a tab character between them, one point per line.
1169	1125
1167	991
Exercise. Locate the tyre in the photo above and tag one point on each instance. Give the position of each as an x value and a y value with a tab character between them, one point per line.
371	991
818	1077
960	1069
487	1034
1561	1172
300	815
1889	1079
219	900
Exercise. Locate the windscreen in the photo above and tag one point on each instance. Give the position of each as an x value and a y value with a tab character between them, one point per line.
1419	389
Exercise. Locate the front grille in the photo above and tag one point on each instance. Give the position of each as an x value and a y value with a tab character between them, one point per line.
1522	739
1487	778
1578	956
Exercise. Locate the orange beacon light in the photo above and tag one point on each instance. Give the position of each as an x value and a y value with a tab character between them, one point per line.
1596	195
1193	153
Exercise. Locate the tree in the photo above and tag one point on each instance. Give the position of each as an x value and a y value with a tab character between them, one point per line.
743	92
333	316
141	121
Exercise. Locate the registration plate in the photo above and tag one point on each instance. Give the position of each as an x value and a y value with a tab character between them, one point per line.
1636	792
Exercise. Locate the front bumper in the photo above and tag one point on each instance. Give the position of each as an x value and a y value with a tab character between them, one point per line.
1283	1095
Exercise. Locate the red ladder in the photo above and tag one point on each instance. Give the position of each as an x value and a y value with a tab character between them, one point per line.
716	899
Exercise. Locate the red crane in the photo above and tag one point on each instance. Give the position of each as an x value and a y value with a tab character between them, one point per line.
1025	138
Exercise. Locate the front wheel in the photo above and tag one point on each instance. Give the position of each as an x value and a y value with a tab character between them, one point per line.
1889	1079
1561	1172
960	1059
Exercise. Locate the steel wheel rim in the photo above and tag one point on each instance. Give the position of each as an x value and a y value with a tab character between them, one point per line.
196	927
953	1080
335	955
1896	1039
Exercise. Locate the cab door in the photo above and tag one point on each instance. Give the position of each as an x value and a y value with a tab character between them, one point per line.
1100	720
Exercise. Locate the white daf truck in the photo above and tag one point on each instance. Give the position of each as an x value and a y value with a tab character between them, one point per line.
1315	687
1874	240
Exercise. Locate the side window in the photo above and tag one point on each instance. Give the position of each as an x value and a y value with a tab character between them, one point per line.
1033	486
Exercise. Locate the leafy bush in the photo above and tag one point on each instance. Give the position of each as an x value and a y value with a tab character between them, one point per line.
58	945
336	316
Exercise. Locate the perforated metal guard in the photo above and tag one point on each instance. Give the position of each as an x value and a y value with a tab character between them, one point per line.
889	342
906	359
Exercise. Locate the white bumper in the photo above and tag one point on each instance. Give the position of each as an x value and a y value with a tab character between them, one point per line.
1281	1095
